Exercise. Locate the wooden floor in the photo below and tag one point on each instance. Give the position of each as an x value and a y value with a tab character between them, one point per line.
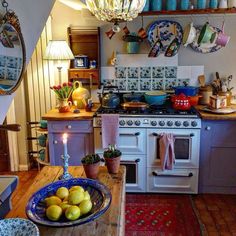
217	212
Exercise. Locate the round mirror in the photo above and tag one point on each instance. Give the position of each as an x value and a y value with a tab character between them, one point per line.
12	58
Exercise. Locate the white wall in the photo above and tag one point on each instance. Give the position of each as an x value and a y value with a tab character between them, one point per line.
32	15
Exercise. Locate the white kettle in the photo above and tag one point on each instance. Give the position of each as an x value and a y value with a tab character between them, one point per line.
231	3
223	4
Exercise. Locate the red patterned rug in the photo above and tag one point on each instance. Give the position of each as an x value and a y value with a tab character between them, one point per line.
164	215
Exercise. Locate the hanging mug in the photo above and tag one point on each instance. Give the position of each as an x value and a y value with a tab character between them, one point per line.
223	4
222	39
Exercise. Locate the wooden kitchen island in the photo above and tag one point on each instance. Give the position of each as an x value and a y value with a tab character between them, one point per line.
111	223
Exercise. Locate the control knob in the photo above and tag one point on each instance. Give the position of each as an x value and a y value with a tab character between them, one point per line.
177	123
137	122
185	123
129	122
161	123
153	123
194	123
169	123
122	122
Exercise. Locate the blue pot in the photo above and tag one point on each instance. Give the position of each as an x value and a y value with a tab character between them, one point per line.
184	5
155	97
147	6
171	5
156	5
186	90
201	4
132	47
213	4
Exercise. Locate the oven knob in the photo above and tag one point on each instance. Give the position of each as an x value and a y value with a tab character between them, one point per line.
161	123
137	122
177	123
122	122
153	123
194	123
169	123
129	122
185	123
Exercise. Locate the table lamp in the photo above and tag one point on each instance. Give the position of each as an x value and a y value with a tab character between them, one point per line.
58	50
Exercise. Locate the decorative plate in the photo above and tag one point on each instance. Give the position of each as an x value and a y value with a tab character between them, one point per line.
205	47
227	110
18	226
165	30
100	197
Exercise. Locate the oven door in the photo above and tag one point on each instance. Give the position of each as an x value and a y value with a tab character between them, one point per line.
135	172
186	147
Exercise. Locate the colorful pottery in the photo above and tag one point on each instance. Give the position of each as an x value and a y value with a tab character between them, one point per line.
64	105
222	38
171	5
80	95
201	4
190	34
156	5
213	4
207	34
184	4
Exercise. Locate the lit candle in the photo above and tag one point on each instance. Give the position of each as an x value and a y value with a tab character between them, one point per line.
64	140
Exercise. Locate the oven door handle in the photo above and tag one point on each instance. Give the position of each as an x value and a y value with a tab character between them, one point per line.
155	173
134	134
176	136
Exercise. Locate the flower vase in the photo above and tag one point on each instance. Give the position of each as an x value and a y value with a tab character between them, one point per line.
64	105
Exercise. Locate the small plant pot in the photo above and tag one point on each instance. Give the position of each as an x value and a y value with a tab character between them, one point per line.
113	164
132	47
91	170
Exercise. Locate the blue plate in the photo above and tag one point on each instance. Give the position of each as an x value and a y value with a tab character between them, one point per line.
100	197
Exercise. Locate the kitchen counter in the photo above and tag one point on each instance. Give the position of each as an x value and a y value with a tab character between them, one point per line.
211	116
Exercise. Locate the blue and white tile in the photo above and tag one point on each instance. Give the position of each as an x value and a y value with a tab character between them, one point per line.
133	85
182	82
169	84
2	72
122	84
145	84
184	72
107	82
158	84
145	72
3	60
133	72
120	72
171	72
158	72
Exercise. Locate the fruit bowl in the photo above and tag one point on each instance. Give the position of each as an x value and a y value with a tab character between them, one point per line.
100	197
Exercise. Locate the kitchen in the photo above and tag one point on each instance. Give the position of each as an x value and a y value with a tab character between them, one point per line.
189	60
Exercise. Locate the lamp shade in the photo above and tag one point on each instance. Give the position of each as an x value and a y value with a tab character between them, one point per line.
58	50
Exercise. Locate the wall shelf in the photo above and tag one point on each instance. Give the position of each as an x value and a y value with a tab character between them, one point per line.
190	12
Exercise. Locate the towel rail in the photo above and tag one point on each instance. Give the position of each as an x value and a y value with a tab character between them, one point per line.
155	173
176	135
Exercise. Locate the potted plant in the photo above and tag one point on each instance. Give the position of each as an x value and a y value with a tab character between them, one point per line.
112	158
91	165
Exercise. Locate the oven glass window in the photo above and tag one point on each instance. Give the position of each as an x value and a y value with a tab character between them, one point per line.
131	171
182	148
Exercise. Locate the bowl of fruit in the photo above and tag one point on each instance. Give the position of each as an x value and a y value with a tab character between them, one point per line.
68	202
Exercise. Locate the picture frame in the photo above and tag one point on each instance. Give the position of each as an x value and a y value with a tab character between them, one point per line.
81	61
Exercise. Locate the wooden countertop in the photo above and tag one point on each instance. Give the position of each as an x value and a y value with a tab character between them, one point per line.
112	222
211	116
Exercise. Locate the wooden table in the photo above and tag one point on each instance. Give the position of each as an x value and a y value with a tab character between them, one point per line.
111	223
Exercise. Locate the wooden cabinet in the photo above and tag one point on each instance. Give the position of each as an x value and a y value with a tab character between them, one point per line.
80	140
86	42
217	157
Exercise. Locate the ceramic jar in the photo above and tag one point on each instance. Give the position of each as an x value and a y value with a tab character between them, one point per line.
171	5
205	93
231	3
223	4
201	4
213	4
156	5
184	4
64	105
80	95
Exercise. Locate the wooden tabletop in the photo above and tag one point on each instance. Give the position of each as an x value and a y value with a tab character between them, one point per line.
111	223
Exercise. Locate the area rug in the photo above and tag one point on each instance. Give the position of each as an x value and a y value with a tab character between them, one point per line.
157	214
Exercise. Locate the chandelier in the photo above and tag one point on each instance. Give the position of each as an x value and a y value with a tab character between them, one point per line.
115	11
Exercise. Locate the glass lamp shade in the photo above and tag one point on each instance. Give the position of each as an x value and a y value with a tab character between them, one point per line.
115	11
58	50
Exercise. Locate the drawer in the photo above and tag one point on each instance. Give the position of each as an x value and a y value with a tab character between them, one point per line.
82	126
83	74
172	181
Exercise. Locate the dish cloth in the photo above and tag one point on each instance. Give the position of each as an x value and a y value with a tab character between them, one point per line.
167	154
110	129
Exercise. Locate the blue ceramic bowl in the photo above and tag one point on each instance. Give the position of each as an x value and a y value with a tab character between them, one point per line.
100	197
18	226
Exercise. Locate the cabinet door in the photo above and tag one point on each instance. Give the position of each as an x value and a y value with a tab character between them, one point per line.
217	157
79	145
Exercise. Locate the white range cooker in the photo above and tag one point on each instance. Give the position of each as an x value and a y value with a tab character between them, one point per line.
139	133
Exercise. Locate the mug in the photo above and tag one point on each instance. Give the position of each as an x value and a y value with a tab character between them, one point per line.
190	34
222	39
156	5
231	3
207	34
223	4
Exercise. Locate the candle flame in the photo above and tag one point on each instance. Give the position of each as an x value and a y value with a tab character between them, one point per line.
65	135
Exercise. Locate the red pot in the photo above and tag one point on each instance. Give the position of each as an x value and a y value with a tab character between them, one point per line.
181	102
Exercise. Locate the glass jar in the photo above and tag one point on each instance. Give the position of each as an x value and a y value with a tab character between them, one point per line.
201	4
171	5
184	4
213	4
156	5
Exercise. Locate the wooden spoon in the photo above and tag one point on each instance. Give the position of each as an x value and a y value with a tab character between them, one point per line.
201	80
12	127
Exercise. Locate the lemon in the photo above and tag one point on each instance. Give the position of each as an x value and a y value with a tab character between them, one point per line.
75	197
62	192
64	206
53	200
72	213
86	195
77	188
85	207
53	212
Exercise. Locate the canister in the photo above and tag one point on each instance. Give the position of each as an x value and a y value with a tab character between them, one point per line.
213	4
156	5
171	5
184	4
217	102
205	92
201	4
